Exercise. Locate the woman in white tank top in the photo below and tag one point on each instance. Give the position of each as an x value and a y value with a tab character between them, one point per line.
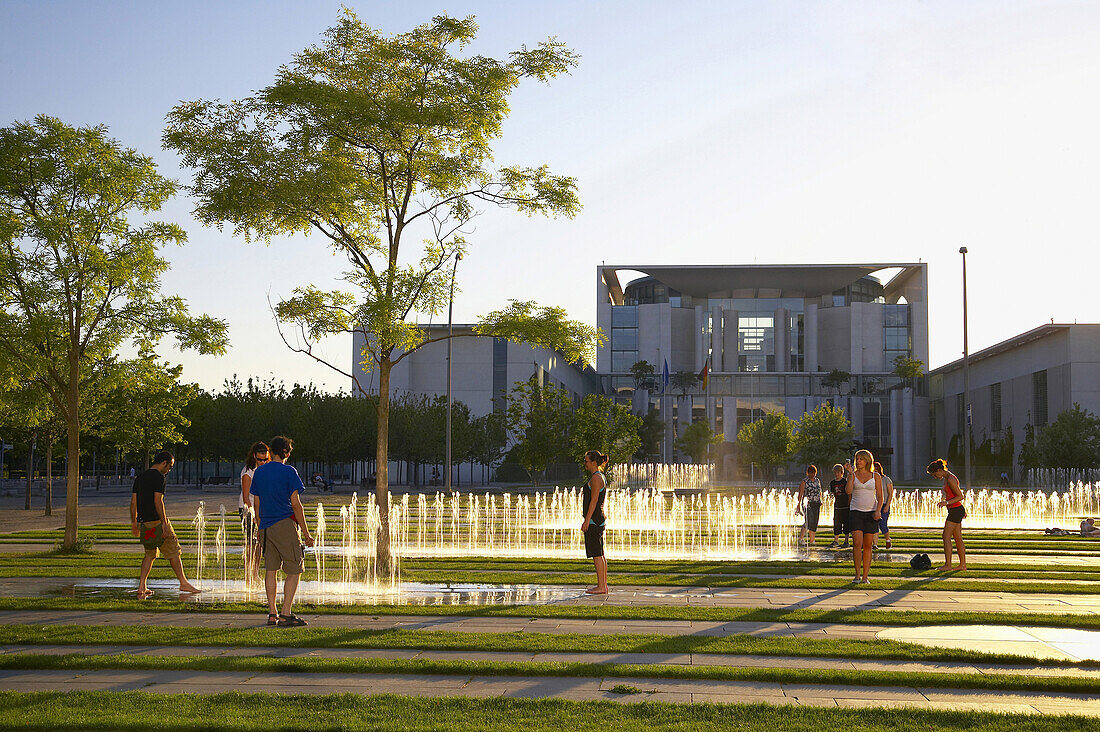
865	488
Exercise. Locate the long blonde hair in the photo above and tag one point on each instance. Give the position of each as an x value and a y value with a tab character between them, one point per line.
866	455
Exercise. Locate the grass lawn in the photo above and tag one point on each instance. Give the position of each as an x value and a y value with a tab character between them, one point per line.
828	677
898	618
264	712
400	638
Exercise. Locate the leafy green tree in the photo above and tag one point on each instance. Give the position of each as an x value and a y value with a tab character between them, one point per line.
767	442
489	439
822	437
684	381
377	143
1072	440
697	440
644	374
25	408
650	434
145	406
538	419
601	424
909	369
77	276
835	379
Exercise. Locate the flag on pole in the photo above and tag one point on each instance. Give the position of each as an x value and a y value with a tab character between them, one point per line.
704	375
664	378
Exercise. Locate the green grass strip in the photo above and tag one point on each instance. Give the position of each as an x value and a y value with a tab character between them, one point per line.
402	638
126	711
838	677
873	616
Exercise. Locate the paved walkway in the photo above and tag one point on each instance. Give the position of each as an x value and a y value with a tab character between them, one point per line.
577	688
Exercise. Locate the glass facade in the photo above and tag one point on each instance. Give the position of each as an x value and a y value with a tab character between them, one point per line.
624	338
896	336
756	342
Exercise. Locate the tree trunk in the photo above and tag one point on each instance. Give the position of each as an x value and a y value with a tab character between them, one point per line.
72	461
49	479
30	468
382	489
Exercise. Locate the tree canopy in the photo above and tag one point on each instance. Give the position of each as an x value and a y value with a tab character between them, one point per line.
822	437
767	442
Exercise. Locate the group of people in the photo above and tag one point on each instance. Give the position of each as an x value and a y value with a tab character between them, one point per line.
862	495
271	513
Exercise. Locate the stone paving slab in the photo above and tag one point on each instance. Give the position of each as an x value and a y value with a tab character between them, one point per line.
579	688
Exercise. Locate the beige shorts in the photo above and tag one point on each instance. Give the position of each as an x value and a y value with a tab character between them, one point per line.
170	549
281	547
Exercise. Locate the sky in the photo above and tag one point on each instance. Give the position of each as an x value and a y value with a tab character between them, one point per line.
699	133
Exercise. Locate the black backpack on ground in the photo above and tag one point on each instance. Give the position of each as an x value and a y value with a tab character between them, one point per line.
921	562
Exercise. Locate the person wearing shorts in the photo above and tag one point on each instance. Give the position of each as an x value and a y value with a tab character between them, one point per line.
810	490
952	500
887	501
150	524
257	456
274	491
865	490
595	490
838	485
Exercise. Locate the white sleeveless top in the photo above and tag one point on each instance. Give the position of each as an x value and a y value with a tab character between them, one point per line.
863	494
240	493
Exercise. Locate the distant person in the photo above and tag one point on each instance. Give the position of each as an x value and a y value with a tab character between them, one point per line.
1004	479
133	472
1090	529
595	491
952	499
257	456
810	489
274	489
149	522
887	501
838	486
864	488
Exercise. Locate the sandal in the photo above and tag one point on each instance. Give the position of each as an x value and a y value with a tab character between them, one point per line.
272	619
290	621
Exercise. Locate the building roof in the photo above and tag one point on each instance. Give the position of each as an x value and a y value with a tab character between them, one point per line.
777	280
997	349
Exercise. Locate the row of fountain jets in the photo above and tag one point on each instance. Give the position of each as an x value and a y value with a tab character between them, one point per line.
648	520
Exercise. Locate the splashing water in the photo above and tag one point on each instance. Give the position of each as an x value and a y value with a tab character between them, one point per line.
199	523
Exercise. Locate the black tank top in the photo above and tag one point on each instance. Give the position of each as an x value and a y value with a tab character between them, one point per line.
598	519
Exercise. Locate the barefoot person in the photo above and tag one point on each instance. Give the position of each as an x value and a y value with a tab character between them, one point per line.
595	490
952	499
887	500
810	490
279	513
149	522
257	456
865	490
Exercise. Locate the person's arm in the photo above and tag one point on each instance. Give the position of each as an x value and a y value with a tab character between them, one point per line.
801	493
158	499
595	499
878	497
133	515
889	489
300	517
850	485
246	483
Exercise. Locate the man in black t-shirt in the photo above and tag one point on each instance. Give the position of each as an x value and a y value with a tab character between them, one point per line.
149	522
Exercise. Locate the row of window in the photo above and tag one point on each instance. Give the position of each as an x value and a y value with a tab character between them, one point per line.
1039	414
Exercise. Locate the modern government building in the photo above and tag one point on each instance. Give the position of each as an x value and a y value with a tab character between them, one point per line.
767	334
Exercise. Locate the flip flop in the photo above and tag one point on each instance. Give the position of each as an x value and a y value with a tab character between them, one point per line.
290	621
272	619
594	591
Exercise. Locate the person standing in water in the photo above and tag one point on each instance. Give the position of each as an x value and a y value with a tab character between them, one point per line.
952	500
149	522
257	456
595	490
810	489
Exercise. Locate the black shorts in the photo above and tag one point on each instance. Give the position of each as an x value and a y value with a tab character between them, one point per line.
593	541
956	515
813	515
864	521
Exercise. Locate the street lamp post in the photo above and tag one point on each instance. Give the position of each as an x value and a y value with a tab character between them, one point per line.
450	339
966	380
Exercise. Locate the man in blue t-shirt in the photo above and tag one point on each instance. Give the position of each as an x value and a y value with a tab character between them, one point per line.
279	513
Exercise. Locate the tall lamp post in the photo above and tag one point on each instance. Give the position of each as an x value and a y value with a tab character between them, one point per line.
450	348
966	380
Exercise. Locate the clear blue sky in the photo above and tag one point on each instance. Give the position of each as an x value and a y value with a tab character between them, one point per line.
700	132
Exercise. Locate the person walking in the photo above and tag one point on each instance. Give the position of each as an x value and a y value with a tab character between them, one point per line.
595	491
865	490
952	500
810	489
257	456
887	501
150	523
839	487
275	491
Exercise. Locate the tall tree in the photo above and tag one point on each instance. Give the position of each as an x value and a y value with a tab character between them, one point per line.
538	419
378	143
822	437
650	434
601	424
697	440
767	441
77	277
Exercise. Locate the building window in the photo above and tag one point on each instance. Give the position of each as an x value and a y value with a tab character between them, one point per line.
896	335
995	407
500	374
1039	397
624	338
798	358
960	419
756	342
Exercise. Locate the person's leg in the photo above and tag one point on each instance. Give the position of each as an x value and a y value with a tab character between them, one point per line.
601	574
146	567
857	550
947	532
959	548
868	544
171	549
838	524
271	584
290	586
